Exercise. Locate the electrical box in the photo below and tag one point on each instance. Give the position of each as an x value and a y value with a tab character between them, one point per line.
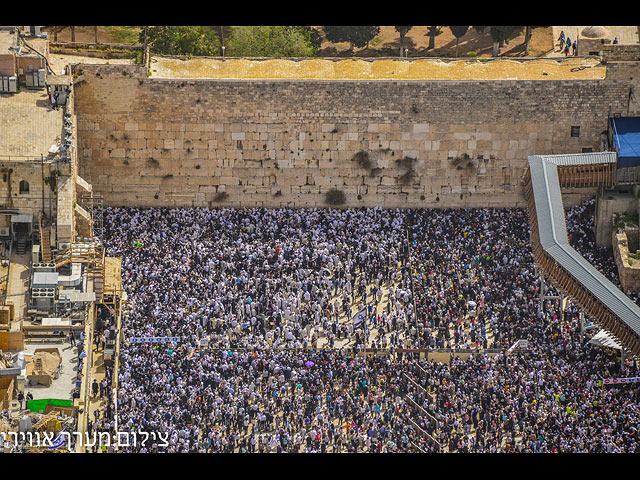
35	79
13	84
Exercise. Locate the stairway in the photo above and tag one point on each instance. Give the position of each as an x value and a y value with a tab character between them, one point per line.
45	245
97	272
45	240
21	246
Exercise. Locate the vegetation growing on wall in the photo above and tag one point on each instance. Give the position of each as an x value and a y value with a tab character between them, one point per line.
463	162
220	196
6	176
406	164
335	197
52	180
363	159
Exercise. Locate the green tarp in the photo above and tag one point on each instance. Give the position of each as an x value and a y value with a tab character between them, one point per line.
39	406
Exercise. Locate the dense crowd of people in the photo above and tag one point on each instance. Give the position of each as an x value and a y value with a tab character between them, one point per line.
316	330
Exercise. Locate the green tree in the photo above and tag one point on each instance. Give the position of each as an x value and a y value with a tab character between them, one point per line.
458	32
356	36
314	36
499	35
271	41
403	33
182	40
335	34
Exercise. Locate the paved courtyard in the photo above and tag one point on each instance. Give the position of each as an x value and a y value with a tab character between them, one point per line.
28	124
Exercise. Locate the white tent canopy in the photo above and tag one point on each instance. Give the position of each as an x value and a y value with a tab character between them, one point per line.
603	339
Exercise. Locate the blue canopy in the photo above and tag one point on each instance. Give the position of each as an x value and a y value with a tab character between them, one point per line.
626	135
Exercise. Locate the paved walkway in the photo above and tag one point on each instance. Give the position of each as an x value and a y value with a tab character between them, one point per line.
626	36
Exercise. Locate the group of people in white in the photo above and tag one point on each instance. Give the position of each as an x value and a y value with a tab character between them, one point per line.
309	330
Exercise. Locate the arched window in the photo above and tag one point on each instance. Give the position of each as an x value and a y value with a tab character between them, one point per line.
24	186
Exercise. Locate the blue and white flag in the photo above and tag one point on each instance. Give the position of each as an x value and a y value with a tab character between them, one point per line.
58	442
358	318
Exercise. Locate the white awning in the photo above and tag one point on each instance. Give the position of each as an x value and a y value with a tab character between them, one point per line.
56	322
22	218
603	339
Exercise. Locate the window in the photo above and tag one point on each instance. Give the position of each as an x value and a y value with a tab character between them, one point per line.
587	150
24	186
575	131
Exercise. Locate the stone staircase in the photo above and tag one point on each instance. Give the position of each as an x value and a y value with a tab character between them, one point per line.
45	240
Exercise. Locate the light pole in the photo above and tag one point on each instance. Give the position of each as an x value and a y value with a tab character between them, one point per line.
223	47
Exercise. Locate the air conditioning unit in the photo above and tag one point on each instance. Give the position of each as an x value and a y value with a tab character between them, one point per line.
4	232
64	246
43	267
13	84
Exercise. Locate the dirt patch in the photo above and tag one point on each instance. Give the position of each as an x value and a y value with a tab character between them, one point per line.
417	40
112	34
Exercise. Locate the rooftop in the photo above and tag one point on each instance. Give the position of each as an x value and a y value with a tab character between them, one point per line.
8	39
28	124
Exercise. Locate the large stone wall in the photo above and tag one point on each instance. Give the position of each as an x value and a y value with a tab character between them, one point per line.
155	142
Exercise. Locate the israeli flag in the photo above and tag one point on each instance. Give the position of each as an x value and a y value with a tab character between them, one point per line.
58	442
358	318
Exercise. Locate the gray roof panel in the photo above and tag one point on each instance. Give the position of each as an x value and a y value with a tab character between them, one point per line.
552	231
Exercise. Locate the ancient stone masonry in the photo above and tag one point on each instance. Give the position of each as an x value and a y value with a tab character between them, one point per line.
154	142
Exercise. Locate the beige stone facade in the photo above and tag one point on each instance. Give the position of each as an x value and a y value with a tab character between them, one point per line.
155	142
628	266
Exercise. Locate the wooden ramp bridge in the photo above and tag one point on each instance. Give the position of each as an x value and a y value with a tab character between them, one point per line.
561	264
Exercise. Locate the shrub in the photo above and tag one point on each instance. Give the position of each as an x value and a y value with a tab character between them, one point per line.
406	162
335	197
407	177
221	196
363	160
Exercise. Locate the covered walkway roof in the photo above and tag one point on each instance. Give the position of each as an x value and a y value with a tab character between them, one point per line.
552	234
